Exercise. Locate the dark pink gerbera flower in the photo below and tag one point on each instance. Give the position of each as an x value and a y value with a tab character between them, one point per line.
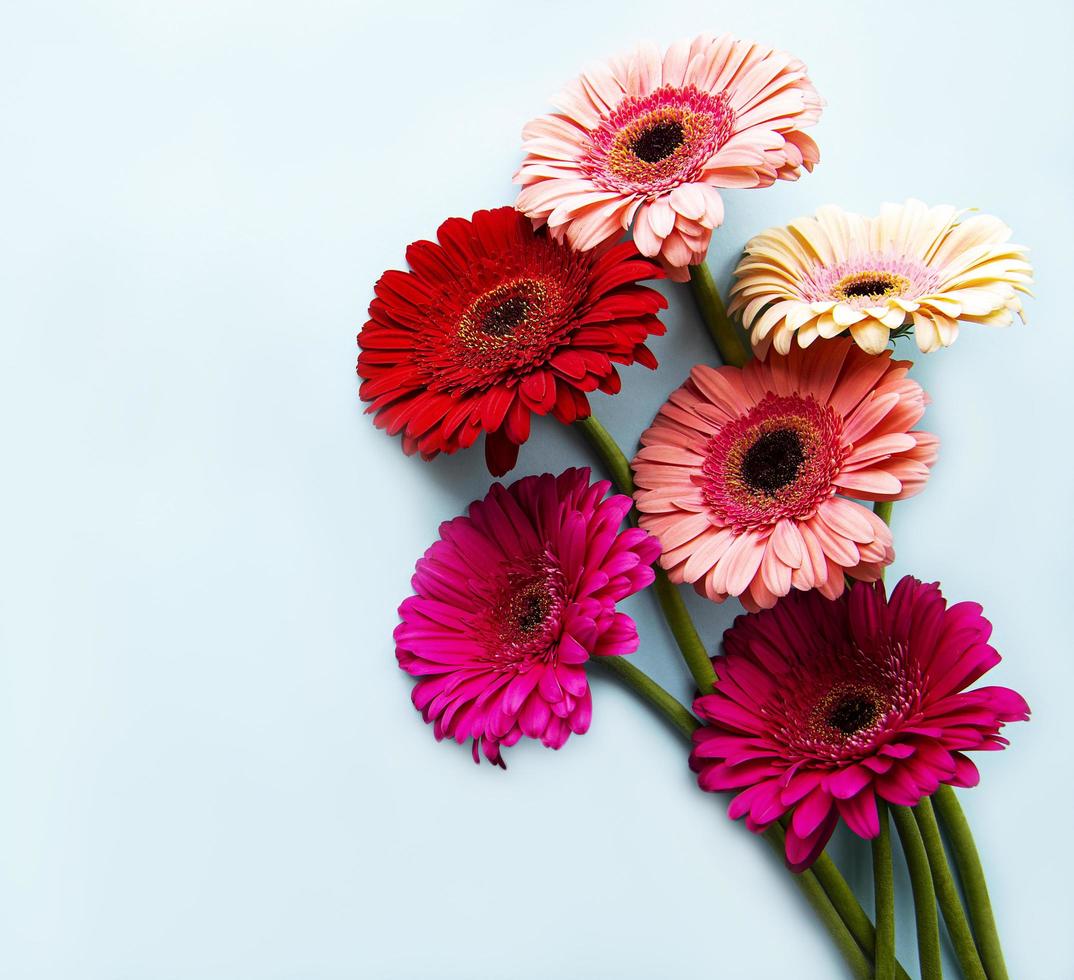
512	601
822	706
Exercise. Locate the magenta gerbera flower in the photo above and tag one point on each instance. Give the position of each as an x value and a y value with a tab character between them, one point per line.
822	706
512	601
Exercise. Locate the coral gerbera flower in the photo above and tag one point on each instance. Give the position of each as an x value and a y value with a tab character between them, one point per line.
495	322
909	266
822	707
512	601
648	138
740	474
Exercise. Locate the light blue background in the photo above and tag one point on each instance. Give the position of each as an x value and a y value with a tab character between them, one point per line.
208	761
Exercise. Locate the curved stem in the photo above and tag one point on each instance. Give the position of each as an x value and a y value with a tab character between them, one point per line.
882	509
824	886
928	922
671	602
968	863
611	455
842	897
884	895
822	904
834	913
642	684
947	894
686	636
728	341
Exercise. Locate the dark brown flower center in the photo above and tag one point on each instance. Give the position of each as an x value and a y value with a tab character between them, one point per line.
523	622
506	317
500	320
658	141
530	610
870	285
773	461
867	287
851	713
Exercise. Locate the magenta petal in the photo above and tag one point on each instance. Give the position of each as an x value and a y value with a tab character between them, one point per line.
549	686
860	814
762	797
619	639
534	716
966	773
848	782
582	715
519	689
813	811
573	680
571	651
803	851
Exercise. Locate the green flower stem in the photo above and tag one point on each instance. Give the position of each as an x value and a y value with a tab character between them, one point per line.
834	914
610	454
928	922
832	918
728	340
882	509
947	894
682	628
884	895
642	684
824	886
842	897
671	602
968	863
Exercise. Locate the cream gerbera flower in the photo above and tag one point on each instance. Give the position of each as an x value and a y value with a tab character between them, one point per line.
912	266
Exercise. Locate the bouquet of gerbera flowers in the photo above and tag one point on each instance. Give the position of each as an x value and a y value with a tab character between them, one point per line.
769	479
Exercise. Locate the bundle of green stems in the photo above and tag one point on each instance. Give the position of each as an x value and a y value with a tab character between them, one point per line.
946	879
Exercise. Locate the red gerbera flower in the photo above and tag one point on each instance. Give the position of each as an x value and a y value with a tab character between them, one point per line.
496	321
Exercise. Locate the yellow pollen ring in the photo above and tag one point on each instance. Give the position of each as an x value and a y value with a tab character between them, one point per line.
870	285
623	160
526	297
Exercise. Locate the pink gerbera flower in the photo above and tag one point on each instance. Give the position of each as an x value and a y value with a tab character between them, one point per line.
512	601
648	138
741	473
823	706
